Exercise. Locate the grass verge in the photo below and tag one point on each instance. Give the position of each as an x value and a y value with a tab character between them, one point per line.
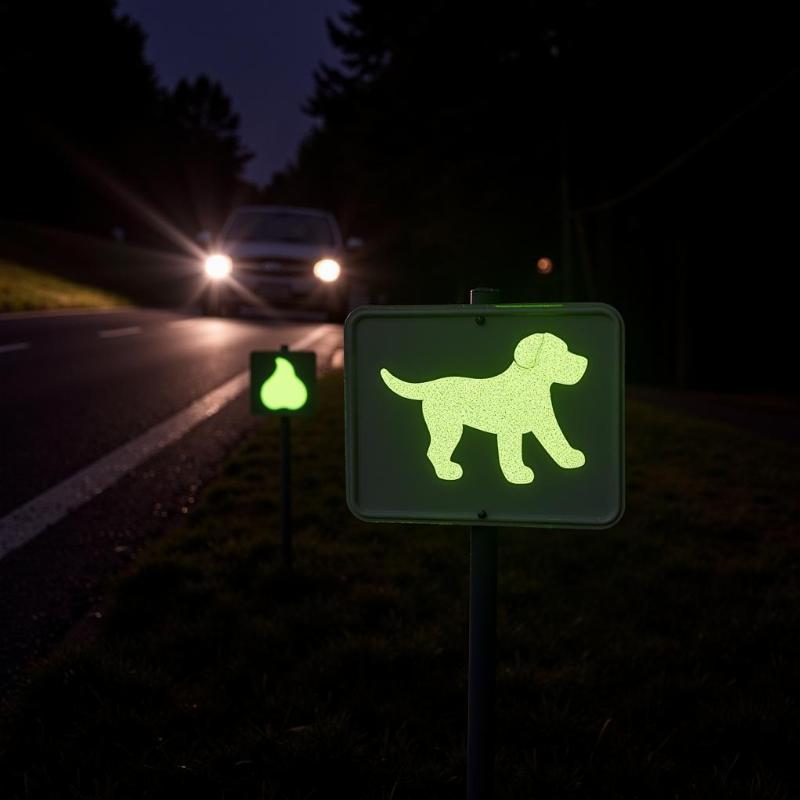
26	289
656	660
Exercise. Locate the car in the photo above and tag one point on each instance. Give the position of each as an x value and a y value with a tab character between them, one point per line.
273	257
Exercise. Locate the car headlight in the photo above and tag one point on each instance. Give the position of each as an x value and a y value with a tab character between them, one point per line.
218	266
327	270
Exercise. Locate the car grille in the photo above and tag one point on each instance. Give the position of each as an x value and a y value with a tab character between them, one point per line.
277	267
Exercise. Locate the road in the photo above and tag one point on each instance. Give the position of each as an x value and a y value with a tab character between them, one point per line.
109	421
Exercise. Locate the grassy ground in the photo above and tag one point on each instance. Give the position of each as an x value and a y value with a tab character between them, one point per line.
660	659
25	289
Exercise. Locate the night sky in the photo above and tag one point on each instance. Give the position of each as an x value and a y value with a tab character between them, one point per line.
262	51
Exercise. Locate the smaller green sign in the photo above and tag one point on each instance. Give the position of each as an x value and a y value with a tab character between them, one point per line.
283	382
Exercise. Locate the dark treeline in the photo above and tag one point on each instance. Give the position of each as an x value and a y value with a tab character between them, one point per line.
649	149
89	140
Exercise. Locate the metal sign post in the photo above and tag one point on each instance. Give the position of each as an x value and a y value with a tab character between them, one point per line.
284	383
481	661
482	641
286	486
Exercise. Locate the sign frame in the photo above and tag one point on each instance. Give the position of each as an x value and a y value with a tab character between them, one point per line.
483	315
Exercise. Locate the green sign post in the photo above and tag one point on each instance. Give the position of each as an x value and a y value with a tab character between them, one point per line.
485	414
284	383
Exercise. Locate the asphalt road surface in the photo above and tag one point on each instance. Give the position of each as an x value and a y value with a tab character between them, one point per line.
109	423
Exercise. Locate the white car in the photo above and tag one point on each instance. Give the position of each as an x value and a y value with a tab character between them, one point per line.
278	257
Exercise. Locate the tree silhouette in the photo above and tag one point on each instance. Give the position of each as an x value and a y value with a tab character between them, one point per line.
87	128
465	143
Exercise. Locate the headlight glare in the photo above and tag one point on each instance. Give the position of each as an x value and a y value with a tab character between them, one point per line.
327	270
218	266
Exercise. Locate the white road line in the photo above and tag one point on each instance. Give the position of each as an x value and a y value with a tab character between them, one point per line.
176	322
112	333
30	519
310	337
12	348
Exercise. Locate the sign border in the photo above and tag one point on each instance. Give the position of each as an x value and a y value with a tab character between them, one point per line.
466	310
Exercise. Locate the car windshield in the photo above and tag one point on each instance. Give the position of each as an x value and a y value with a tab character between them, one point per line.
279	226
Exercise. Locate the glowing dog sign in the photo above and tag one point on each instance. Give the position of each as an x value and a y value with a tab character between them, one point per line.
511	404
516	414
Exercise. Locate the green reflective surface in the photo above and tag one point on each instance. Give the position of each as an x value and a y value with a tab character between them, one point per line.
443	426
508	405
283	389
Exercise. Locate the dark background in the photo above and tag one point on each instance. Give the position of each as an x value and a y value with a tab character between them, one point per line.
648	149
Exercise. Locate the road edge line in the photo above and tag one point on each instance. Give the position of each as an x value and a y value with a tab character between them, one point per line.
32	518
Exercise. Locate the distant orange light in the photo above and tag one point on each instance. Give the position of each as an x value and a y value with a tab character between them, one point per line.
544	266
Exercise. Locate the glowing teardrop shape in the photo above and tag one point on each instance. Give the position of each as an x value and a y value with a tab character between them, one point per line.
283	389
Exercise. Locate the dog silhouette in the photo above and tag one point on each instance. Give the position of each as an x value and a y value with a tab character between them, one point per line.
511	404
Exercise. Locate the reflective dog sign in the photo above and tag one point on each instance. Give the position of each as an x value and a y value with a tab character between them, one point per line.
496	415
